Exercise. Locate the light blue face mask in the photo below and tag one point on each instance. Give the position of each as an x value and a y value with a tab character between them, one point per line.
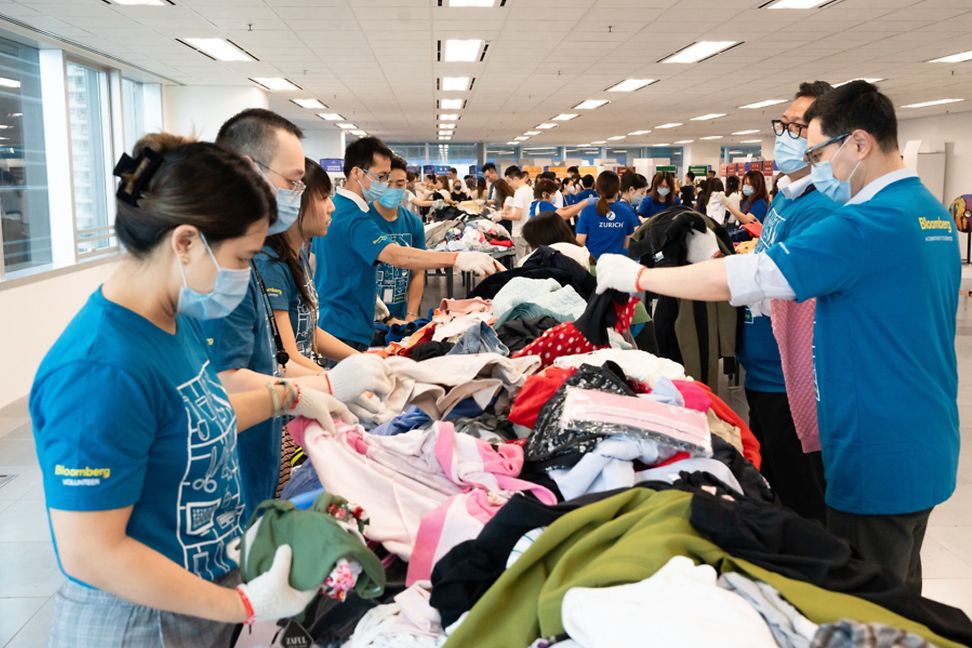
392	198
822	176
788	153
748	190
636	200
663	191
227	293
376	190
288	209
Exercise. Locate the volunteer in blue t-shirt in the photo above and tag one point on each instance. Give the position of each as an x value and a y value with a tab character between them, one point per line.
136	436
661	195
755	199
399	289
587	189
347	258
246	345
606	226
544	190
885	270
795	476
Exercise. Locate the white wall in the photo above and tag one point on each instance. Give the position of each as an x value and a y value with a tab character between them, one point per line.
320	144
698	153
200	110
27	335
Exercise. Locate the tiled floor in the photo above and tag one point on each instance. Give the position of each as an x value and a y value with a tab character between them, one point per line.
30	576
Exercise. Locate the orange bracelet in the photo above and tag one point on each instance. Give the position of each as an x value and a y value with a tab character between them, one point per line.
638	279
330	388
247	606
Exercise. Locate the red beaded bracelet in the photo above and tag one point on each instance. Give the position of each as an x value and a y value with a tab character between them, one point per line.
638	278
247	606
297	397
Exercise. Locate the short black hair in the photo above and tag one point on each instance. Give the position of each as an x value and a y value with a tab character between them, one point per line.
550	175
690	175
813	89
253	132
400	164
454	170
857	105
361	153
489	166
633	181
712	171
572	169
512	171
587	181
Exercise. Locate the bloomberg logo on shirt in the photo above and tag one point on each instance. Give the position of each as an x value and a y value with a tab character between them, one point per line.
86	476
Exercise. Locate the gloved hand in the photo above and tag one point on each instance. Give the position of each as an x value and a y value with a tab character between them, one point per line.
322	408
618	272
270	593
479	262
357	374
370	408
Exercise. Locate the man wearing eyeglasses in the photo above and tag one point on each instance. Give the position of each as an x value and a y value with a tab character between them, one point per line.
885	270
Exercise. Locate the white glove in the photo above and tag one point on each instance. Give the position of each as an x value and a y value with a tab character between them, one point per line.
618	272
322	408
357	374
270	593
370	408
479	262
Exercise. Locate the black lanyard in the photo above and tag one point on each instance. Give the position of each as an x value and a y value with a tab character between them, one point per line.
281	356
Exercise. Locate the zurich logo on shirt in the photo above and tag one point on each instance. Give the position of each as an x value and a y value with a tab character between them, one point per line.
610	216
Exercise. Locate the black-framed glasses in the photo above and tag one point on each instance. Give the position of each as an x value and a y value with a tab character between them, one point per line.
297	186
793	129
812	154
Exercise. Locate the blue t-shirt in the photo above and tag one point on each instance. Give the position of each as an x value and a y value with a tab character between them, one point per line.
606	234
345	276
584	194
648	207
886	276
284	295
759	352
126	414
540	206
757	208
242	340
406	230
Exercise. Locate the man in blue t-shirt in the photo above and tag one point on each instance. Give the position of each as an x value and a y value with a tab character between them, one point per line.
399	289
795	476
885	269
347	258
587	189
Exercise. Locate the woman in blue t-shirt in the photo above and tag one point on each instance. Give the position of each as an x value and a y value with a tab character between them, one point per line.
660	196
136	436
543	193
755	199
606	226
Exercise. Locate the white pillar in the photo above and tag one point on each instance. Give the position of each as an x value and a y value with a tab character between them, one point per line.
199	111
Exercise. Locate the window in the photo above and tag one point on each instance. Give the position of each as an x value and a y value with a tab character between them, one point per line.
133	112
454	154
740	151
88	106
414	154
24	209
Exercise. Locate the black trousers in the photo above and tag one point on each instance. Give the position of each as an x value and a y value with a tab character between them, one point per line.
892	541
795	476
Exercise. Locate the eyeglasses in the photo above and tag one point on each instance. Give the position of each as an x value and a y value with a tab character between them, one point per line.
793	129
812	155
380	177
297	186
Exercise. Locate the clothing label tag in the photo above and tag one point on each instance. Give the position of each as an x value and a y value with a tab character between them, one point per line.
388	295
294	636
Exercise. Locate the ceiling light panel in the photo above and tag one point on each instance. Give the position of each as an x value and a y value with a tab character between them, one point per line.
591	104
796	4
639	132
752	141
455	83
218	49
669	125
347	126
449	117
708	116
564	117
546	126
960	57
630	85
462	50
699	51
359	133
9	83
512	143
765	103
147	3
751	131
446	126
275	84
532	133
616	138
711	137
521	138
599	142
330	116
472	3
450	104
684	141
935	102
309	103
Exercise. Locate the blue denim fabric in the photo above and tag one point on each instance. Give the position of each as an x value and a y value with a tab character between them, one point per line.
479	339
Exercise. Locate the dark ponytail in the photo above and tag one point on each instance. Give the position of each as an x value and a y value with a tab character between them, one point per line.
198	184
608	186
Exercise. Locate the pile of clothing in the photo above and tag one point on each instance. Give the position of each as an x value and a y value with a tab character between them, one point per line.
541	482
467	234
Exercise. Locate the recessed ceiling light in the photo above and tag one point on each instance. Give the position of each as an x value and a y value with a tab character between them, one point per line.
276	84
762	104
359	133
751	131
616	138
711	137
564	117
309	103
5	126
546	126
330	116
699	51
9	83
512	143
639	132
796	4
446	126
684	141
868	79
662	144
936	102
753	141
347	126
521	138
708	116
532	133
218	49
591	104
736	152
148	3
455	84
471	3
445	139
599	142
630	85
462	50
954	58
450	104
669	125
448	117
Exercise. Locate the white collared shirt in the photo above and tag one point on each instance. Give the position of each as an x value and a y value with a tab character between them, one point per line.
350	195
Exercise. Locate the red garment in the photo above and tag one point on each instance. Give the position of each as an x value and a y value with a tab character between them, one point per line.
694	396
678	456
502	243
535	393
726	413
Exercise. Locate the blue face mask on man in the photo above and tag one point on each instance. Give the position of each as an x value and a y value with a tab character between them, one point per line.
374	191
288	209
392	197
788	153
227	293
822	176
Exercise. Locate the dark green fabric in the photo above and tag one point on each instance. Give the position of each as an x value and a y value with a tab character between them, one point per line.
626	539
318	542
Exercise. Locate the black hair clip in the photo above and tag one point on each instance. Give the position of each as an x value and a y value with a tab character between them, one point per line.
128	164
